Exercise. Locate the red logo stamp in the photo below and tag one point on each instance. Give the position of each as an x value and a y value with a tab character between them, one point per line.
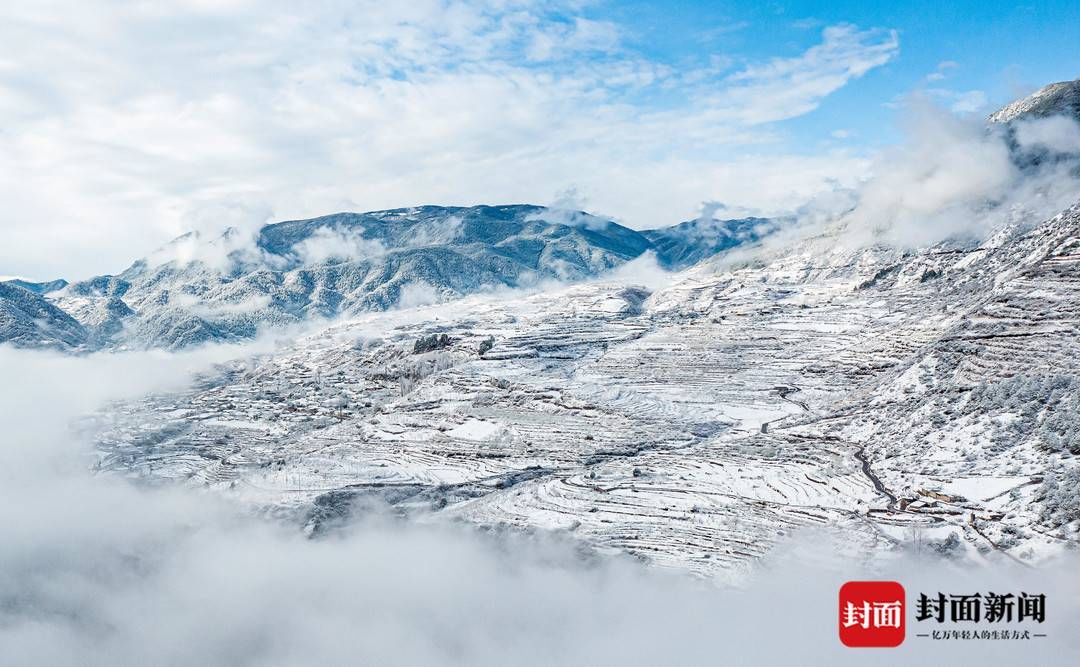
872	613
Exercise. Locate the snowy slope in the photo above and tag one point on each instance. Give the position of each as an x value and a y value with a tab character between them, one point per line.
28	320
683	245
894	399
37	288
1054	99
870	392
198	290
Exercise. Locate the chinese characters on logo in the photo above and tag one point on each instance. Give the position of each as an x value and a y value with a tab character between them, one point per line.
872	614
991	608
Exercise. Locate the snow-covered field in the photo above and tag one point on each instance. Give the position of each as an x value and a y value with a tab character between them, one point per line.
900	400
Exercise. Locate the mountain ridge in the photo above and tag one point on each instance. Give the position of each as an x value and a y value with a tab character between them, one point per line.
898	399
194	290
1060	98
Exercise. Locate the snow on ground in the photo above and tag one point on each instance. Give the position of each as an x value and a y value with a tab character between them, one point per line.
697	428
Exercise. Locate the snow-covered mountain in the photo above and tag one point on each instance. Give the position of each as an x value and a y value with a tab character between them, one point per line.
1062	98
875	392
196	290
28	320
37	288
898	398
1041	129
683	245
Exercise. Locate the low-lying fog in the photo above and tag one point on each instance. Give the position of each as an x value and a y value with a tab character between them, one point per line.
94	570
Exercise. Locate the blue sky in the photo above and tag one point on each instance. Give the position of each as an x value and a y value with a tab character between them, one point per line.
123	125
1002	49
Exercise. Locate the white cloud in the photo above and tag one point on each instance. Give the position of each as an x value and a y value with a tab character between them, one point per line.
971	101
566	39
97	571
789	87
1059	133
568	208
953	177
447	231
941	72
418	293
923	190
961	102
643	270
123	120
332	243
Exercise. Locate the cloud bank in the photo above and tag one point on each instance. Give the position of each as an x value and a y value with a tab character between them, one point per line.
955	177
128	124
95	571
340	244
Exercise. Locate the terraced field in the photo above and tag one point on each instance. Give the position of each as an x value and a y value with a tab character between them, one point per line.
697	426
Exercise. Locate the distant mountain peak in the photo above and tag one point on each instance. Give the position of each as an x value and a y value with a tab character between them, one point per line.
1061	98
203	287
686	244
27	319
37	287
